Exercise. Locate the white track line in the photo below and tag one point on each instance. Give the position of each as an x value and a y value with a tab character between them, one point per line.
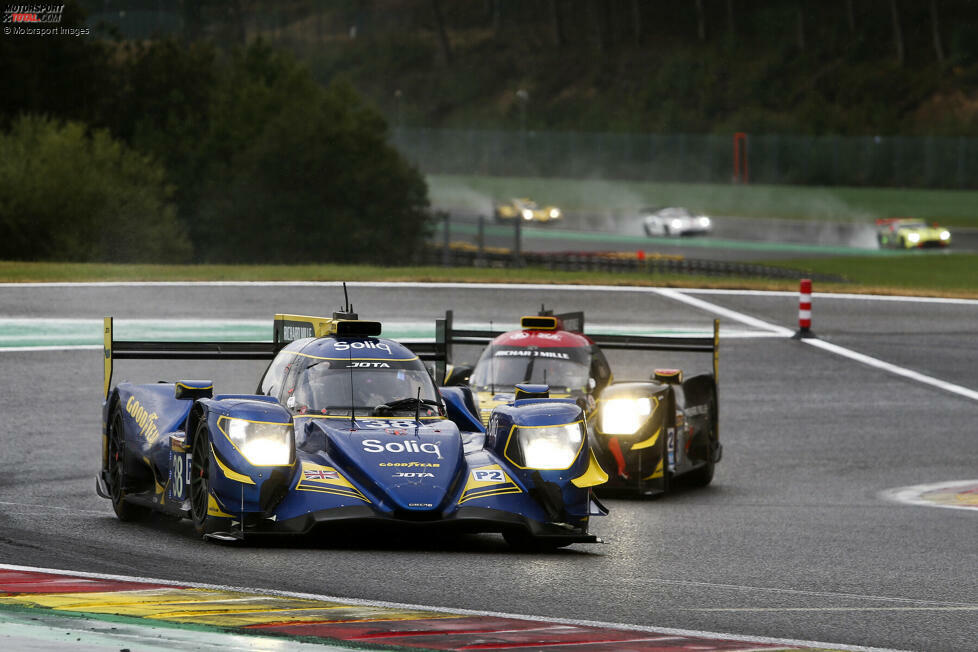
911	495
463	612
478	286
893	369
679	295
66	347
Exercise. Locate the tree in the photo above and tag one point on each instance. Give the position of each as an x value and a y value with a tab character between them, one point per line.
556	23
935	27
800	25
897	31
444	46
73	195
300	173
700	21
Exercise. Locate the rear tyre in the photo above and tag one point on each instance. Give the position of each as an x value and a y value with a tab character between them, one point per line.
116	469
200	489
703	476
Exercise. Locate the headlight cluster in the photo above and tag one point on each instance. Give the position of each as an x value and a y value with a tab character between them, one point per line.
624	416
945	235
550	447
913	237
527	214
262	443
555	212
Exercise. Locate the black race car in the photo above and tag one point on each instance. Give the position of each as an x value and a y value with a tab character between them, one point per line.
645	433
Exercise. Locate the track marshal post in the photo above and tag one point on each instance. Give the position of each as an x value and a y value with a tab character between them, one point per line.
805	311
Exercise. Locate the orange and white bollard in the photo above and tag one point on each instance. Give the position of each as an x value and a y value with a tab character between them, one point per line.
805	310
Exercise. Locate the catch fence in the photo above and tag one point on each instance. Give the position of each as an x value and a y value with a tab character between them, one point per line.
882	161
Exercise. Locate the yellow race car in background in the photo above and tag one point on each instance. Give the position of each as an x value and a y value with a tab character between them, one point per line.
910	233
527	210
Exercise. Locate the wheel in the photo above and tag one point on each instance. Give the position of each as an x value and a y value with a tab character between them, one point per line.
200	490
702	476
117	472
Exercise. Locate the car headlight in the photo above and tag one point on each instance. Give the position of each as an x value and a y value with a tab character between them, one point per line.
624	416
945	235
554	212
527	214
550	447
262	443
914	237
704	221
676	224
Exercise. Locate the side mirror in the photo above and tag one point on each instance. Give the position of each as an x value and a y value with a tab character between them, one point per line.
457	375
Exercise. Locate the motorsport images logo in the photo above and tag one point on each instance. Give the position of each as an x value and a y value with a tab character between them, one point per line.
37	20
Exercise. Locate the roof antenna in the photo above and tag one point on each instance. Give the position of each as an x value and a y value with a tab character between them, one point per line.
417	412
347	311
492	364
353	401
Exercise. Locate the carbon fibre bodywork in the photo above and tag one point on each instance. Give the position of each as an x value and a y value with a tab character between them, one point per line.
645	434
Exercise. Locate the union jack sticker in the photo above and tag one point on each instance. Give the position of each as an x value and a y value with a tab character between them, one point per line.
319	474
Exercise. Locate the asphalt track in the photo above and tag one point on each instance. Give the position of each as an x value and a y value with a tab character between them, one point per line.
732	238
795	538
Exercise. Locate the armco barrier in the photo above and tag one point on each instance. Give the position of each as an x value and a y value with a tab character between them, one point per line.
467	256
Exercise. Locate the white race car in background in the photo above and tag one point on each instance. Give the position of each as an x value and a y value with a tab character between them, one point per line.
674	220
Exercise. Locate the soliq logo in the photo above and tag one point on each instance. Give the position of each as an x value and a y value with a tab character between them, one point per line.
33	13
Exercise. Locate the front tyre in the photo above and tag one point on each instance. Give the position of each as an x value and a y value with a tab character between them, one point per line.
200	489
116	469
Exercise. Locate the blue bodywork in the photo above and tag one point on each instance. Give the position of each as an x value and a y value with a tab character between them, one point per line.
439	467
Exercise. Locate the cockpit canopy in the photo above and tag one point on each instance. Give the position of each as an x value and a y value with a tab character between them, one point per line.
332	376
501	367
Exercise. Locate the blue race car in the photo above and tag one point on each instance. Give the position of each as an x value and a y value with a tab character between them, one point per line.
345	428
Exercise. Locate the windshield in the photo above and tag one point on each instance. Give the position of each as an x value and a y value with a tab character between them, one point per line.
332	386
503	367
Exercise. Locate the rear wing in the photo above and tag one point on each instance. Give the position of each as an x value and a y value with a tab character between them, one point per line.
447	336
285	329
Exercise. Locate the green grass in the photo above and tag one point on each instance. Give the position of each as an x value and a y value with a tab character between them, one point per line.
937	274
949	207
954	275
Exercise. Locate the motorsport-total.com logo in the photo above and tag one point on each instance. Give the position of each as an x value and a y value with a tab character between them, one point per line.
37	20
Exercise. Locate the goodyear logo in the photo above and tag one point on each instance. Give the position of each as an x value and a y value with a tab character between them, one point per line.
145	420
412	464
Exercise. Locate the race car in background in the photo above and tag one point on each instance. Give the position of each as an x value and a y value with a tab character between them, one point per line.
645	433
526	210
910	233
674	221
345	429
